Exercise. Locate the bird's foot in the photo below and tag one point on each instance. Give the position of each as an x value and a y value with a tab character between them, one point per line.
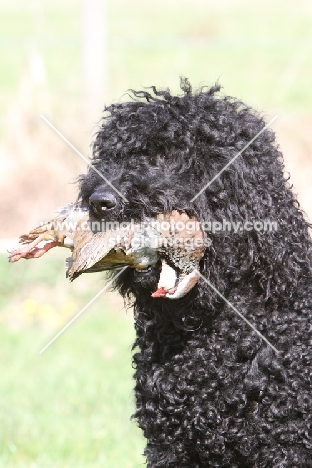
31	250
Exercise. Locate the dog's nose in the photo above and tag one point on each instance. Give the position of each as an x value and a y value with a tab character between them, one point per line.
101	202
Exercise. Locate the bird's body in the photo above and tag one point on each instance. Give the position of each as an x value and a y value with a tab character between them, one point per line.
135	245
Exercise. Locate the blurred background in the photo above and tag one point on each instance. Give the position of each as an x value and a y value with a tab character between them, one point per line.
71	406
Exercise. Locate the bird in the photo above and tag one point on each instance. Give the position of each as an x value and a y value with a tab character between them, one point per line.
174	239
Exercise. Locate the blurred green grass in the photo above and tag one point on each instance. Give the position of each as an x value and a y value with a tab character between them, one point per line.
71	405
260	51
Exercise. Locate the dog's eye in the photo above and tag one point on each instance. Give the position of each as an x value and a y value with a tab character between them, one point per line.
102	202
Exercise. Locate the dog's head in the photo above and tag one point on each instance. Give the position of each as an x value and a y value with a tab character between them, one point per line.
207	156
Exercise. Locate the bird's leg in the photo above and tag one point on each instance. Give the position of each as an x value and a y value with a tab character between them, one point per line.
185	284
172	286
167	281
31	250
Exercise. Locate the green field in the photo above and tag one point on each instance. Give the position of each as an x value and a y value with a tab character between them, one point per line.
71	405
259	51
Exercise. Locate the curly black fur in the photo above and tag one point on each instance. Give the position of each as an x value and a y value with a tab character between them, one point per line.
209	391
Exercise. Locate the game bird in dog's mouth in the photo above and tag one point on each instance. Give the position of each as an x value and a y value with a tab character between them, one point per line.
154	243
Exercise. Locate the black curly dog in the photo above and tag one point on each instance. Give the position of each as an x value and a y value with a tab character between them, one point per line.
210	392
